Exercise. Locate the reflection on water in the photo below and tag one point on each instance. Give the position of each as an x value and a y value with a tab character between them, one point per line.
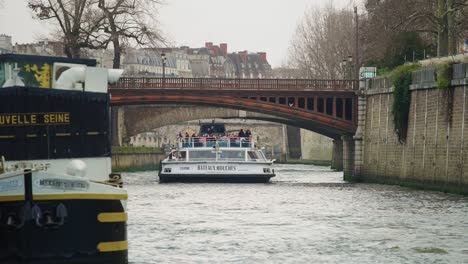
307	214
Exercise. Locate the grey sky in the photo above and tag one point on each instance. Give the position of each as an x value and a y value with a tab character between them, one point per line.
254	25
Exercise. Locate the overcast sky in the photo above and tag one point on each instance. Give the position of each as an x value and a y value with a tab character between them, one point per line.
254	25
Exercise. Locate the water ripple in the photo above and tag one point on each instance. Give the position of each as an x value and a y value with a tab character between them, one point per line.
308	214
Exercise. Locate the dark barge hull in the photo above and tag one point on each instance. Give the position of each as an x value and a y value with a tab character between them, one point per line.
82	237
76	241
207	178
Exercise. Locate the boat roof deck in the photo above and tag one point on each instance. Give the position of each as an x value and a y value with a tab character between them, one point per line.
213	142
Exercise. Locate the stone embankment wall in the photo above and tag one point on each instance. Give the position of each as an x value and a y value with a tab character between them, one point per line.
435	154
136	162
316	146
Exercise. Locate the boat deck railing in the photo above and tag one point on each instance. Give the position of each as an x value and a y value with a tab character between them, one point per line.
213	142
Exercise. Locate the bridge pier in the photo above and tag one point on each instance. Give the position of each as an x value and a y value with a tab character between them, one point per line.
117	126
294	142
337	155
359	137
348	157
353	146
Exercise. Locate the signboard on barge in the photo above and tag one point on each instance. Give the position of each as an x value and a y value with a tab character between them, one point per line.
51	124
35	119
35	71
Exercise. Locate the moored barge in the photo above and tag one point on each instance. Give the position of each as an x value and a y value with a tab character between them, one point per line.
59	201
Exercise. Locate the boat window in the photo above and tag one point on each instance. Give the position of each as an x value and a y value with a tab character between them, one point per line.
262	155
252	155
202	155
232	155
182	155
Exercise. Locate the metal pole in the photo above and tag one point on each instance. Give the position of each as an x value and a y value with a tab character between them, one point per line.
356	69
163	57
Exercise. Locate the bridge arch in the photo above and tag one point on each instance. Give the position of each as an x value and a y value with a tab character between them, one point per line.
136	119
315	122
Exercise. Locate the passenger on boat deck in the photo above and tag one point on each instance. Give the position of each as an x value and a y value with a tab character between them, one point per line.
179	136
241	133
248	133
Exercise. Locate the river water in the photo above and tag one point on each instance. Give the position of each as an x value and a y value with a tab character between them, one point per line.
307	214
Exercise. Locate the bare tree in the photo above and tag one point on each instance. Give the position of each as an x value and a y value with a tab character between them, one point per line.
446	20
95	24
321	41
130	22
78	22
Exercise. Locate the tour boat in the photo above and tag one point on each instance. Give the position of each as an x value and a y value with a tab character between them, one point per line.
59	201
216	158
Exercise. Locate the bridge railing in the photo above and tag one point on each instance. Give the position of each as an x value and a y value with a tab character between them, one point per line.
236	84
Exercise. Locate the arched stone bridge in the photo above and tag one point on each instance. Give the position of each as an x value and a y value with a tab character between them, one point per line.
140	119
327	107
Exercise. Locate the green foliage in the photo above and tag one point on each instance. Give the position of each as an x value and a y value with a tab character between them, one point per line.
444	82
403	48
402	79
444	76
431	250
383	71
154	167
136	150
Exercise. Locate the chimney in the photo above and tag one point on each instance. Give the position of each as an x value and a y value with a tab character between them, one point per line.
263	57
223	47
215	50
243	55
208	44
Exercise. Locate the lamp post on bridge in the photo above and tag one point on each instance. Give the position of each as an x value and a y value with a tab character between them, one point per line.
350	67
347	67
163	56
355	72
343	68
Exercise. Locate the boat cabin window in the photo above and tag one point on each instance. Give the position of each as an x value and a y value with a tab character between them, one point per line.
202	155
252	155
178	155
232	155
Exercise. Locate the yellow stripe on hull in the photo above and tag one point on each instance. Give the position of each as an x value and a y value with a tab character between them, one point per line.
112	217
11	198
112	246
79	196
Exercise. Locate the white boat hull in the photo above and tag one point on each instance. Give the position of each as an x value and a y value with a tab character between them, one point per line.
215	171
